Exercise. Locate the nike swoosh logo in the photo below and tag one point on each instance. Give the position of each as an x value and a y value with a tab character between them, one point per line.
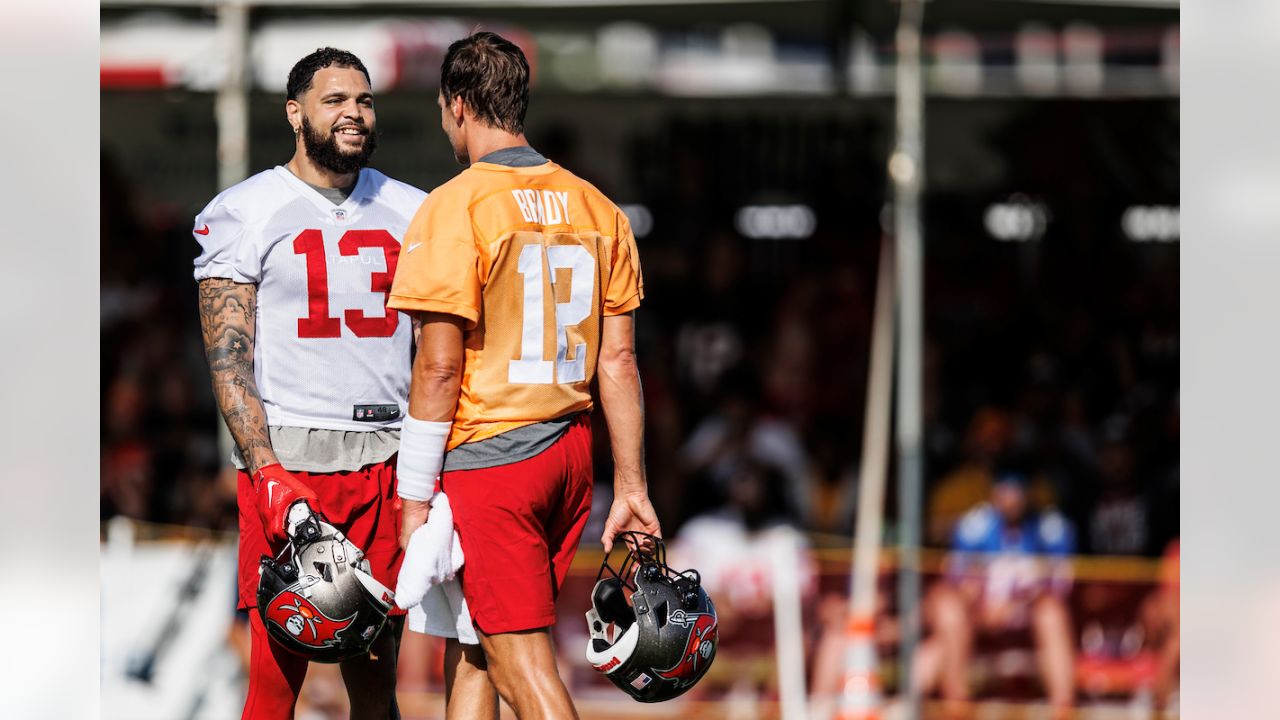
271	488
412	247
202	231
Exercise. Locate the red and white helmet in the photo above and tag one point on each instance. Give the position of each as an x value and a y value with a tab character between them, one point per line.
322	603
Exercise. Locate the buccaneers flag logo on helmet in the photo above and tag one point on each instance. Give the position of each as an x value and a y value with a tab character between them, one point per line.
317	599
703	633
305	622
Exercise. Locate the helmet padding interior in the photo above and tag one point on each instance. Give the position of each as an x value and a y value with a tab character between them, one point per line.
611	603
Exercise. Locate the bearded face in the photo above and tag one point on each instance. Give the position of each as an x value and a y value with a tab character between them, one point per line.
343	148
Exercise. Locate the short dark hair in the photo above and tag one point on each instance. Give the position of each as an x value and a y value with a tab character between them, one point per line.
305	69
491	75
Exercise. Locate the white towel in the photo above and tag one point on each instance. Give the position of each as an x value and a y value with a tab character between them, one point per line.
428	586
430	558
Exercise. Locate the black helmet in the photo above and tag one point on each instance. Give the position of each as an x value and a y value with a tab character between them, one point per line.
321	603
653	630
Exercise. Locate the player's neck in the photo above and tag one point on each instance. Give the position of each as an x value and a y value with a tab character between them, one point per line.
490	140
309	172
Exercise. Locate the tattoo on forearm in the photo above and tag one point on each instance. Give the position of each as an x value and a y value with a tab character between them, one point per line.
227	317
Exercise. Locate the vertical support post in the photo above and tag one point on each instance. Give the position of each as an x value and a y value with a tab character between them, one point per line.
874	468
232	103
788	623
860	695
231	110
906	168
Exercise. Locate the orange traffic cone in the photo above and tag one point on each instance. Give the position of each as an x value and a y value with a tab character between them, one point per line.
860	688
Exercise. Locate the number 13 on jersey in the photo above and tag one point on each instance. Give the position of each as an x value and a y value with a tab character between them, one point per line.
533	368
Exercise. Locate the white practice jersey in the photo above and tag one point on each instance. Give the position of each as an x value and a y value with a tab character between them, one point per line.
328	353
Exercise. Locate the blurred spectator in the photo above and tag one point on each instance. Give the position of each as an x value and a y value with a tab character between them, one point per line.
126	480
1165	494
1118	521
1162	614
786	375
1009	571
986	442
727	544
715	320
736	434
732	547
1129	644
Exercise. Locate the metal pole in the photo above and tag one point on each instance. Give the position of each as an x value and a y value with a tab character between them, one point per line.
232	103
231	109
906	168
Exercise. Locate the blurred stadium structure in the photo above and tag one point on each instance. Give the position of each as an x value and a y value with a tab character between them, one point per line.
751	145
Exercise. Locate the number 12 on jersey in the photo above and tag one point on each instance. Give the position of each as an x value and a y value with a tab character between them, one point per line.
532	368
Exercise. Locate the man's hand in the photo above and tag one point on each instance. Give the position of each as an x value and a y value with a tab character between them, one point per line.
413	515
277	491
630	511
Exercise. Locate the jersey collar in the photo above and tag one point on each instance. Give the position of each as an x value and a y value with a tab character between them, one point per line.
543	169
323	203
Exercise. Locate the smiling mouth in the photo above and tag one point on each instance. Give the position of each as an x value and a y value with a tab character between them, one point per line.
351	131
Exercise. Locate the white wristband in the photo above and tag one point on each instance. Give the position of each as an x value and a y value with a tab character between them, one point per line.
422	444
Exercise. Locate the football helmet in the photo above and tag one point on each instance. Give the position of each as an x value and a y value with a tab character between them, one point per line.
653	630
318	599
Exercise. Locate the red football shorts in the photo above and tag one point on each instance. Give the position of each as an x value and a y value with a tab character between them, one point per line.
519	525
362	504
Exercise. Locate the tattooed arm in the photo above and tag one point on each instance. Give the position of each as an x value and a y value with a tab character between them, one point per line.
228	312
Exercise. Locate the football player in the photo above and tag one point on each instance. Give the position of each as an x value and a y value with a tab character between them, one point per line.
525	278
310	369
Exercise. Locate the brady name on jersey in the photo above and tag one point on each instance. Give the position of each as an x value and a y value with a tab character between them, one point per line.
323	272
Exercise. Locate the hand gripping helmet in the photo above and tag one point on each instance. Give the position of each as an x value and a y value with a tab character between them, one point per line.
321	602
653	630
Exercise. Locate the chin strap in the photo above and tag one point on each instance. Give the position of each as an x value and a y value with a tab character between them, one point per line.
296	522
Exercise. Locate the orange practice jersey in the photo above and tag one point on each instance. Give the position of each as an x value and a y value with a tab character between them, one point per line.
532	258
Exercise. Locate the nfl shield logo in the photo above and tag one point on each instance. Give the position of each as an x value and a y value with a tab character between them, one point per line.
339	214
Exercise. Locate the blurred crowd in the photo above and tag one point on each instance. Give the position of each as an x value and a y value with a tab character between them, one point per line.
160	456
1058	359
